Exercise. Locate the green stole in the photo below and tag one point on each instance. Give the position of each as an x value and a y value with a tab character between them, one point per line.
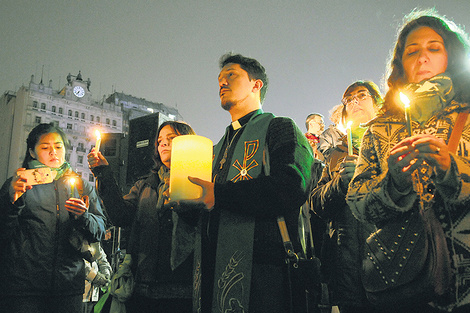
234	256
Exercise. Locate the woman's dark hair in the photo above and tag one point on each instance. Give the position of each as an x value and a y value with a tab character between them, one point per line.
180	128
254	69
373	90
36	133
457	45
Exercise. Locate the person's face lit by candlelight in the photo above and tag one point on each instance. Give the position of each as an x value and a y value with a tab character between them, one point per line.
163	144
49	150
425	55
360	106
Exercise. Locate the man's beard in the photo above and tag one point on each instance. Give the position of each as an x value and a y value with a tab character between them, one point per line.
227	105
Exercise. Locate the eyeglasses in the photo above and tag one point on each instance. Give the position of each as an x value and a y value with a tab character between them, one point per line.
359	96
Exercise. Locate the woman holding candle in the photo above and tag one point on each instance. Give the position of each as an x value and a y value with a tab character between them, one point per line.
341	250
162	238
39	269
429	65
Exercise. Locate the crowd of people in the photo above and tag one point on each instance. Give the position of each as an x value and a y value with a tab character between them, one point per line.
224	252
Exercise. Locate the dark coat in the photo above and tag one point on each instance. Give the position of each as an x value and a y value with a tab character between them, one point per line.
342	252
36	256
150	243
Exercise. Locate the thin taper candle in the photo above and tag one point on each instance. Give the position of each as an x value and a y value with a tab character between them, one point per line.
349	135
72	185
406	102
98	141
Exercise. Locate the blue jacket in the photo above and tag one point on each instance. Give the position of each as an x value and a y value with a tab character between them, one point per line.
36	256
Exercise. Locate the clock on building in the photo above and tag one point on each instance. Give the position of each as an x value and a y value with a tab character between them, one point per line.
78	91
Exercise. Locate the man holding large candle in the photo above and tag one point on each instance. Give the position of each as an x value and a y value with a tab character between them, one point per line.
342	254
261	171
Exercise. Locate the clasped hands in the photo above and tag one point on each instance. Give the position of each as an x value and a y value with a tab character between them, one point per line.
346	170
77	206
411	152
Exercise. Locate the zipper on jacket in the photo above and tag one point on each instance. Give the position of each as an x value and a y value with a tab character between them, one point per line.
56	247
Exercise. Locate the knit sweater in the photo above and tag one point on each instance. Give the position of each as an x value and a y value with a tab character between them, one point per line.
370	189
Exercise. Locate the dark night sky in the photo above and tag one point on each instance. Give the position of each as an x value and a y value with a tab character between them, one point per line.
168	50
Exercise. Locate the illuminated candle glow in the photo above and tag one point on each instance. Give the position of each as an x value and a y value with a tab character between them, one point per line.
72	185
406	102
191	155
349	136
98	141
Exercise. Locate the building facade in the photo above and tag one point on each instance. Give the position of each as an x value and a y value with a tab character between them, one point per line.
75	111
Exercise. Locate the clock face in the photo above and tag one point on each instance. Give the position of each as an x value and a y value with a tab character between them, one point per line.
78	91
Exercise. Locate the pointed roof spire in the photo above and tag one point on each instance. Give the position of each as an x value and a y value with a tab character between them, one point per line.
42	74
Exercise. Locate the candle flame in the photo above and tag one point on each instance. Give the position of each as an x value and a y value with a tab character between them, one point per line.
97	134
349	124
404	99
72	181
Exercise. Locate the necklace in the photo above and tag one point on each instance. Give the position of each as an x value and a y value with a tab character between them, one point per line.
224	158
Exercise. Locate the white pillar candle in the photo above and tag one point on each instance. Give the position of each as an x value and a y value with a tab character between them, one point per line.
191	155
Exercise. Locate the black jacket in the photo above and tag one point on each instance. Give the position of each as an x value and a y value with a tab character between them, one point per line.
342	252
150	242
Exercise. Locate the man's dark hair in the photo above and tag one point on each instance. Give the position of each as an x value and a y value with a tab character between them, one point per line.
254	69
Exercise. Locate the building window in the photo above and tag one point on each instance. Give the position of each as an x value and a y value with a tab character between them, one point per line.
83	116
53	108
37	120
69	126
108	121
91	178
81	147
97	119
67	157
35	104
55	123
76	113
114	123
70	112
61	111
43	106
92	118
80	159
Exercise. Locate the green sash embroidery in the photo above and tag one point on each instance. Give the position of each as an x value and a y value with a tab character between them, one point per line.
232	279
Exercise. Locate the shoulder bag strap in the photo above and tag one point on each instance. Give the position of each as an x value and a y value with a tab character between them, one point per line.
288	246
457	131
